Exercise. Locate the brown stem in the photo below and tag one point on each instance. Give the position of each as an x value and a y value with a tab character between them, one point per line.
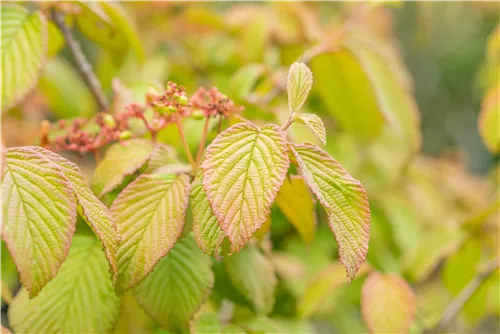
82	63
97	155
184	142
464	296
289	122
201	146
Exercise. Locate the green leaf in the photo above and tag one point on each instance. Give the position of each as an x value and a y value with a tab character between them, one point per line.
297	204
387	304
178	286
39	211
120	160
132	318
489	120
243	81
344	199
313	123
243	170
62	85
299	83
56	39
109	25
321	289
80	299
24	51
160	156
150	214
93	211
207	323
254	277
347	94
206	229
397	105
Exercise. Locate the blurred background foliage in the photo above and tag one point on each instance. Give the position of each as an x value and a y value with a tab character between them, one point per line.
400	89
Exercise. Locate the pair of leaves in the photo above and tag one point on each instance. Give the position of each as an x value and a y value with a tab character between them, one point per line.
24	51
42	194
81	299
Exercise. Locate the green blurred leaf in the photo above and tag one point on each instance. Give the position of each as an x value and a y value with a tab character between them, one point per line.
132	318
56	39
65	91
80	299
243	81
347	94
489	120
178	286
254	277
24	51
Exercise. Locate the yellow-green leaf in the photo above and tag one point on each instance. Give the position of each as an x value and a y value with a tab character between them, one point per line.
243	170
81	299
346	92
297	204
206	229
39	215
253	275
344	199
178	286
299	83
313	123
93	211
24	51
56	39
132	318
120	160
387	304
150	214
161	155
6	294
489	120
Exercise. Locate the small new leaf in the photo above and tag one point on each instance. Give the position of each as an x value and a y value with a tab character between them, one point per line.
150	215
313	123
387	304
206	229
243	170
299	83
121	159
81	299
178	286
344	199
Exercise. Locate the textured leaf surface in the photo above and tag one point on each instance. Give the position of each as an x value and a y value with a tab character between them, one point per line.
313	123
299	83
24	50
121	159
178	286
489	120
243	170
39	212
387	304
344	199
254	277
92	210
80	299
150	215
206	229
160	156
297	204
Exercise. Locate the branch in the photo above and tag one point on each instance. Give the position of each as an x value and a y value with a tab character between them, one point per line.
464	296
82	63
184	143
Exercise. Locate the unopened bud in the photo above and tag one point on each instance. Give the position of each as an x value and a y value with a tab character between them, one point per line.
109	120
151	95
182	99
124	135
198	114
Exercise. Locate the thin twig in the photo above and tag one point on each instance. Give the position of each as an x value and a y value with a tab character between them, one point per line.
201	146
82	63
464	296
289	122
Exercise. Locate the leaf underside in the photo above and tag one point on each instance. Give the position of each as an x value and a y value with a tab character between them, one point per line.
178	286
313	123
150	216
243	170
344	199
